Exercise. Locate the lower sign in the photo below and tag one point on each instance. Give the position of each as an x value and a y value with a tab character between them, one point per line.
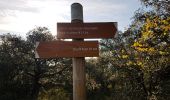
55	49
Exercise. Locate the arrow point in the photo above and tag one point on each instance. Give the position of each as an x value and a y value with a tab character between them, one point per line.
36	44
116	26
36	54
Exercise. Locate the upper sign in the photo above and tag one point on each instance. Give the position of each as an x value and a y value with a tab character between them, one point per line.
86	30
55	49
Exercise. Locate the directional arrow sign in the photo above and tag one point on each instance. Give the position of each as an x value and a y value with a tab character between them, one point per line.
55	49
86	30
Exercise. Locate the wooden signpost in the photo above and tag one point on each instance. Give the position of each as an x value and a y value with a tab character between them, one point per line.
78	49
54	49
86	30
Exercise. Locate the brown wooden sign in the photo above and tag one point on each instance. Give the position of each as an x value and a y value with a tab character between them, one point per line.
55	49
86	30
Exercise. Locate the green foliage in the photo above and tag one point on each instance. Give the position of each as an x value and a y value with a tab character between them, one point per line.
13	56
99	79
161	6
21	75
54	94
39	34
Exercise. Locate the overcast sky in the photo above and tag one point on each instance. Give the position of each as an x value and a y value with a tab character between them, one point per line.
20	16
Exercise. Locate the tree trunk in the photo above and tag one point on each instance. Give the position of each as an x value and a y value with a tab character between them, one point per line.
36	88
36	84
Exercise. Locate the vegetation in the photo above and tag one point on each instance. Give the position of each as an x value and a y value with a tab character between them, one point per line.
135	65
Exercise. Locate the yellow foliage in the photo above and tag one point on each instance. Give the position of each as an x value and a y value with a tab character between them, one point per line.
149	50
137	44
139	63
123	51
157	22
124	56
141	49
147	34
166	28
151	26
109	86
163	53
129	63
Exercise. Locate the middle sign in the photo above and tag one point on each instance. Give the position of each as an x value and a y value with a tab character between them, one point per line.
86	30
53	49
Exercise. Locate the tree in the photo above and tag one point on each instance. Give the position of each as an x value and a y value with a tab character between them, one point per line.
128	75
14	58
48	73
151	45
24	77
160	6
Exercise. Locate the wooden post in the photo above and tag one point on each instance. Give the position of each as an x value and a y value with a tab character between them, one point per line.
79	86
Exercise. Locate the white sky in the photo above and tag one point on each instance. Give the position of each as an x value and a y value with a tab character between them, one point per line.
20	16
